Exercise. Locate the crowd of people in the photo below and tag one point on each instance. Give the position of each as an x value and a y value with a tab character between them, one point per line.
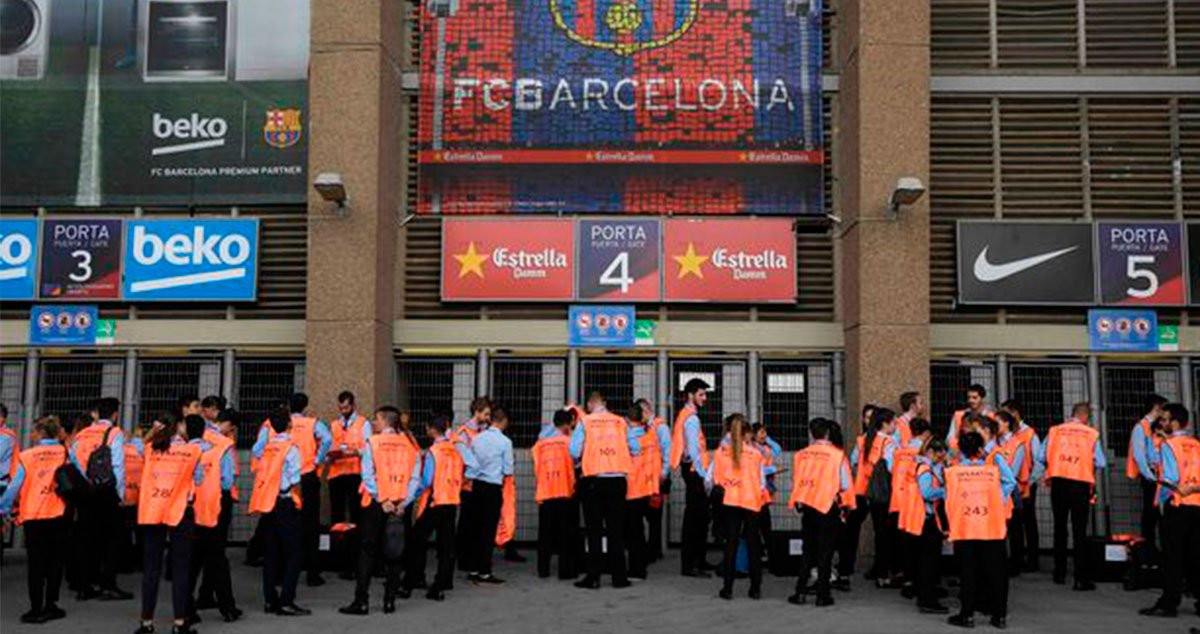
87	498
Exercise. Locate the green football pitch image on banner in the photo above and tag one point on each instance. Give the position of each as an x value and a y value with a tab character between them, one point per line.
145	102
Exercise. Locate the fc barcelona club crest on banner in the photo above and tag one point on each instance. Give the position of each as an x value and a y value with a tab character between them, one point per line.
282	128
625	27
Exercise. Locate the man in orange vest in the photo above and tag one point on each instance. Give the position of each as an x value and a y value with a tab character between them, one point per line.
1024	533
654	515
1179	499
821	484
689	454
606	446
276	499
1072	455
976	404
41	512
912	406
558	512
650	467
101	514
466	547
975	492
350	431
1142	461
391	480
213	516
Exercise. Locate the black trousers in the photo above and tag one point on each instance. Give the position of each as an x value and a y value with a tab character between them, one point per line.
885	528
345	502
1149	511
983	576
654	534
154	539
75	566
741	524
209	558
929	554
1181	548
695	521
558	534
468	525
635	535
820	539
131	544
44	541
489	498
1030	531
310	521
764	526
848	536
1071	502
102	523
437	520
283	552
373	537
604	515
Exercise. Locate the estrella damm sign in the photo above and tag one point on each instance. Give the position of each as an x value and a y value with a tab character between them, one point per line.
624	27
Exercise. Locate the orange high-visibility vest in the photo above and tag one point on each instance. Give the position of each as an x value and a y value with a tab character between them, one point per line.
207	504
88	440
957	423
741	483
554	469
352	437
303	433
816	477
266	490
448	469
606	445
1186	450
237	470
133	474
394	458
905	429
1017	439
168	480
647	468
974	503
867	461
38	498
506	528
1131	468
1070	452
912	511
679	445
904	477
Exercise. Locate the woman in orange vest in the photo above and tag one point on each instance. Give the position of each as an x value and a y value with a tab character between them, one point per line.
848	536
925	523
442	476
131	536
873	481
975	492
651	466
821	484
1072	455
277	500
772	453
558	513
169	479
1179	499
41	512
737	472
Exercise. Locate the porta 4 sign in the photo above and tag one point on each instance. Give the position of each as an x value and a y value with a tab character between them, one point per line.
18	258
205	260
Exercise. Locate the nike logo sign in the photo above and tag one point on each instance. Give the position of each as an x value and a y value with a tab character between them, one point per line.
987	272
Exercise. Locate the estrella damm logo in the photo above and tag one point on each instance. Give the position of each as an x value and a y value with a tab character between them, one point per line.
282	128
625	27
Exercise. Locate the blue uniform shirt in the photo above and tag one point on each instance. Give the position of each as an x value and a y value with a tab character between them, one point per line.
1144	454
926	481
494	453
8	453
693	452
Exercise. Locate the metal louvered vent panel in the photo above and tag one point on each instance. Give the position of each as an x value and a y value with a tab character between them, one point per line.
1189	154
1040	154
961	157
960	34
1037	33
1130	148
1187	34
1124	34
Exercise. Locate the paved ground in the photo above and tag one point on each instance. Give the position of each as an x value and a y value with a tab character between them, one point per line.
664	603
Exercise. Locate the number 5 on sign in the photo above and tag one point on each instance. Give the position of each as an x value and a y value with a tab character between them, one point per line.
618	260
1135	273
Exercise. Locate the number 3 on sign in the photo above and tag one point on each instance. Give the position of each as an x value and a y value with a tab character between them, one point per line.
617	273
1135	273
84	266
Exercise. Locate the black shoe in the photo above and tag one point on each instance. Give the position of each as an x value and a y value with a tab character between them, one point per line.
514	556
1083	586
52	612
841	585
1000	622
698	574
1060	580
192	619
314	581
144	628
115	594
798	599
207	603
961	620
886	584
230	615
87	594
908	591
346	575
621	583
182	629
389	604
640	575
1160	610
488	579
588	583
435	595
357	608
271	608
292	610
404	593
824	601
933	608
870	575
941	592
33	617
755	593
726	593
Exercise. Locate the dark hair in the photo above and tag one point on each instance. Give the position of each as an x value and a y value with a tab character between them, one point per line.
636	414
919	426
935	444
563	417
597	396
818	428
47	426
971	444
480	403
1008	418
499	415
297	402
390	414
695	385
991	426
907	399
835	435
160	438
879	417
229	415
185	401
440	422
642	402
213	401
346	397
1154	400
106	408
281	419
1178	413
3	410
1081	406
195	426
869	407
973	418
978	389
1014	405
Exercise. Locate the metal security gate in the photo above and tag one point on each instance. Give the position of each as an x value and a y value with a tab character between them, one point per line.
161	383
949	392
1124	392
69	387
621	381
1047	392
792	393
426	387
12	395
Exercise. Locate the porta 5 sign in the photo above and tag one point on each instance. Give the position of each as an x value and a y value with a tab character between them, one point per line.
18	258
194	260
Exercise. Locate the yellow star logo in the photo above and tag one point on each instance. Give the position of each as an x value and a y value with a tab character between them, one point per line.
471	262
689	263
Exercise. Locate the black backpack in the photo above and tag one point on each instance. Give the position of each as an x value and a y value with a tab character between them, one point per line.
879	487
69	483
100	465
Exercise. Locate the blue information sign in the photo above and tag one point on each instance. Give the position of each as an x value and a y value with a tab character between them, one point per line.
601	327
18	258
1122	331
63	325
191	260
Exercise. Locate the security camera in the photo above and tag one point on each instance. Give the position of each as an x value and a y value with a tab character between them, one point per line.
331	187
908	191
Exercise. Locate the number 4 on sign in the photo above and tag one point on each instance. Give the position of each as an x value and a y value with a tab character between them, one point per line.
617	273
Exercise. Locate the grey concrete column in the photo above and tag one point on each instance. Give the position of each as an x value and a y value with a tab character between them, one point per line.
481	372
129	391
663	396
228	364
753	387
573	375
29	399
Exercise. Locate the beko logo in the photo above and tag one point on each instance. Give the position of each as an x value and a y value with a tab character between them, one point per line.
197	249
16	250
192	133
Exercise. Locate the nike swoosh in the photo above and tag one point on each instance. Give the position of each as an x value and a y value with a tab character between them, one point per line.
987	272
